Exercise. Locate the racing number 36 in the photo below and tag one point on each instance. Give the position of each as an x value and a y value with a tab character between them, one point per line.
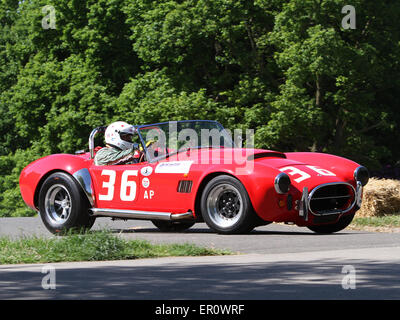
293	171
127	190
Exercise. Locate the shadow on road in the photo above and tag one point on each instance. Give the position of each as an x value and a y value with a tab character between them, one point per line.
283	280
209	231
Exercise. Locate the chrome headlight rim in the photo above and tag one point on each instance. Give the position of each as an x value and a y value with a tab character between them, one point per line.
282	183
358	172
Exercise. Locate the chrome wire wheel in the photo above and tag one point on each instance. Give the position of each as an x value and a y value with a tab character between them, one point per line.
224	205
58	204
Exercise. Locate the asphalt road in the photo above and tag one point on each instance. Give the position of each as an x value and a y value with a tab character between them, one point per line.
273	262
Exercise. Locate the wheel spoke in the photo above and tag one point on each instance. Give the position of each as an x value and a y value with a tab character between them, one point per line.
64	213
58	203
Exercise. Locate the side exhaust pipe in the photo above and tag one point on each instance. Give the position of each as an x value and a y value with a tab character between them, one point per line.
141	215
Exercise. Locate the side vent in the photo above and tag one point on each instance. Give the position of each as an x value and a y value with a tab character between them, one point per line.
185	186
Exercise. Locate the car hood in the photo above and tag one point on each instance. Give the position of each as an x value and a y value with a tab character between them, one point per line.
318	168
308	169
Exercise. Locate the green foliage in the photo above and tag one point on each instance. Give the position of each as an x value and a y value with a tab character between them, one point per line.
336	78
284	68
151	97
11	203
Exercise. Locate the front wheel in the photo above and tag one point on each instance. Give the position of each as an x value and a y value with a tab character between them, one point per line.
62	205
341	224
226	206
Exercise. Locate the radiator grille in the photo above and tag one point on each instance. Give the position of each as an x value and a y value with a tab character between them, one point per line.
332	198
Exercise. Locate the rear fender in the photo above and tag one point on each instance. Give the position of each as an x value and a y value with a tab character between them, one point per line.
33	175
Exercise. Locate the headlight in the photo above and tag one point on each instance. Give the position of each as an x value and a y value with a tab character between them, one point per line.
361	174
282	183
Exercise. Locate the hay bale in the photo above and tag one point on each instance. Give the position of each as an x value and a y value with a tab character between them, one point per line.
380	197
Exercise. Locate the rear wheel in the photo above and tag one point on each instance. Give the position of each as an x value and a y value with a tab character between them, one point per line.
226	206
62	205
341	224
172	226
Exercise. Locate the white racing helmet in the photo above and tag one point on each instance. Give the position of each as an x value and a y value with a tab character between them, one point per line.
119	134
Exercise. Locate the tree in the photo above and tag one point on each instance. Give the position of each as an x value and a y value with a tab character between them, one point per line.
333	97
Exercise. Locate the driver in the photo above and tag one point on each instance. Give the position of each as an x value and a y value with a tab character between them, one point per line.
119	146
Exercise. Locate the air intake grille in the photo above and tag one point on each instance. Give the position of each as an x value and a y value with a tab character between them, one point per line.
332	198
185	186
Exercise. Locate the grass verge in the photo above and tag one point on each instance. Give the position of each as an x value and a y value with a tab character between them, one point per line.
92	246
388	221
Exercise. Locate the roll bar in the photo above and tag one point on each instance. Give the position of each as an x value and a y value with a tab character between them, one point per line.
91	139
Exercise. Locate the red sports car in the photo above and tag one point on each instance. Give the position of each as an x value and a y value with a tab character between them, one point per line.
192	171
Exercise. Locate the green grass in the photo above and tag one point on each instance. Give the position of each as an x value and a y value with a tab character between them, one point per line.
391	221
92	246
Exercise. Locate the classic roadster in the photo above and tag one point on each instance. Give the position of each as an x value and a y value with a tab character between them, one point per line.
193	171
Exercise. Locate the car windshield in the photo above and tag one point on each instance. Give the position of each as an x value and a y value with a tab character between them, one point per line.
164	139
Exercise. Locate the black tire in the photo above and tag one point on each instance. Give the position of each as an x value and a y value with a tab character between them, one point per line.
226	206
63	206
172	226
341	224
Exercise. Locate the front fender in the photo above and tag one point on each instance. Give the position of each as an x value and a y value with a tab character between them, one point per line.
258	180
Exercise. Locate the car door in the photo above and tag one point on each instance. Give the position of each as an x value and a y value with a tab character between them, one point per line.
144	186
162	189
